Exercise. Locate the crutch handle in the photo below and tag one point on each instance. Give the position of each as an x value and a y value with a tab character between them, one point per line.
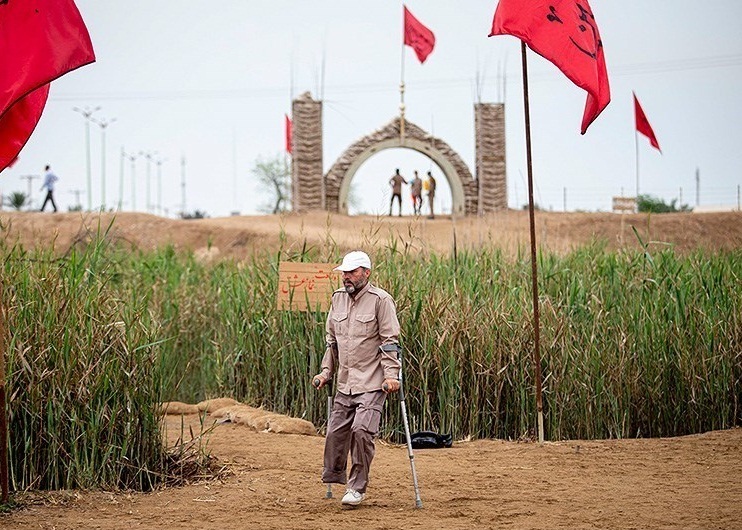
316	382
385	387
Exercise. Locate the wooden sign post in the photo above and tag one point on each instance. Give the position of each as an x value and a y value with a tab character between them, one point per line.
306	286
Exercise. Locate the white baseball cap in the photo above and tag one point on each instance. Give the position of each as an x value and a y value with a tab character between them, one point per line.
353	260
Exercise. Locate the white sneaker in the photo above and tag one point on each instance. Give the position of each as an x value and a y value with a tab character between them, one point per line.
353	497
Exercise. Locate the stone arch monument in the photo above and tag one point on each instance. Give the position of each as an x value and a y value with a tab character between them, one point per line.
312	190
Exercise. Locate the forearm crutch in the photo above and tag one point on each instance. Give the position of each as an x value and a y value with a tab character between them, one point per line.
418	500
329	384
328	494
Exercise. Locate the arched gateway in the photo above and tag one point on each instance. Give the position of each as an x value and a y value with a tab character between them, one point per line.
312	190
338	178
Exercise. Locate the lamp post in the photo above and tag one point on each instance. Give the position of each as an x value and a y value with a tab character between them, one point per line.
87	112
103	124
149	156
132	157
159	162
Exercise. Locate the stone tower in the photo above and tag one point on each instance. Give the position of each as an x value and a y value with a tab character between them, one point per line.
307	179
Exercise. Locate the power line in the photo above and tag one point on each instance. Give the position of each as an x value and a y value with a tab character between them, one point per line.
649	68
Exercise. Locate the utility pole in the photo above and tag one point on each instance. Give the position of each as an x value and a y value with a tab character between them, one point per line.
183	185
103	124
680	205
159	162
132	158
121	178
30	178
87	113
564	198
148	155
77	193
698	187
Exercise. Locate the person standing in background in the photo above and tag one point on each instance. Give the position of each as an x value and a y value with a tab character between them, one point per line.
431	194
396	183
416	189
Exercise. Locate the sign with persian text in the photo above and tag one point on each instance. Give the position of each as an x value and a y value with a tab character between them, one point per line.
306	286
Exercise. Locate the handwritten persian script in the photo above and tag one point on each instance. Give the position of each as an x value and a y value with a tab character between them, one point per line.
306	286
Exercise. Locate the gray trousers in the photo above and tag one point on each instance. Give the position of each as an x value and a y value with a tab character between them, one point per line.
353	425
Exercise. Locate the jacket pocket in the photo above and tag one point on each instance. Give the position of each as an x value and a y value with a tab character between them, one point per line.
340	323
365	325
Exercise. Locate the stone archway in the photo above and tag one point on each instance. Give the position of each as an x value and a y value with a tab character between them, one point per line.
311	189
464	188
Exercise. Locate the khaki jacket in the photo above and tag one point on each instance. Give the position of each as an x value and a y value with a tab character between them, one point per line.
355	329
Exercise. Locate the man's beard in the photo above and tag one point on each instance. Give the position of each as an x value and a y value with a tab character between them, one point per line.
352	288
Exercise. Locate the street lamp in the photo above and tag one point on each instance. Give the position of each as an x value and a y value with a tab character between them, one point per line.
159	162
148	155
132	158
103	124
86	113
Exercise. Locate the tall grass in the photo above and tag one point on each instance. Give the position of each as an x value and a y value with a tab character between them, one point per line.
633	344
81	387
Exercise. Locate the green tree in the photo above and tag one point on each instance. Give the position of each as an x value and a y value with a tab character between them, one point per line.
274	176
649	204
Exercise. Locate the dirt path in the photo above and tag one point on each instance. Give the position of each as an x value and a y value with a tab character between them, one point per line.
239	237
688	482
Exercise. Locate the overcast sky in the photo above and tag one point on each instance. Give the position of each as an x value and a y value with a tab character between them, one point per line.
210	82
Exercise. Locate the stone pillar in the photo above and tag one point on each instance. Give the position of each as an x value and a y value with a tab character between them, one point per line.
489	133
307	182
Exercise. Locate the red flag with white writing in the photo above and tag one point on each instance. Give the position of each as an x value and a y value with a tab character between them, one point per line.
642	125
565	33
417	36
289	132
41	40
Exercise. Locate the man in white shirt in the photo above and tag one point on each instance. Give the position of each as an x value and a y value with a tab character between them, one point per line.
49	181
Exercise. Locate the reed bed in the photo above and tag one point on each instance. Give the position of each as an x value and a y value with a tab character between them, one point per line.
634	343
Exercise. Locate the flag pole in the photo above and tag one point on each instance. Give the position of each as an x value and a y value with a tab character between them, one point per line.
3	415
636	157
534	267
401	88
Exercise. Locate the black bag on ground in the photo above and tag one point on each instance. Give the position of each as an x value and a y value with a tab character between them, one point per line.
430	440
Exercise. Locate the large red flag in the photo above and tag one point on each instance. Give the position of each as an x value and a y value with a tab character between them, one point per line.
417	36
40	40
289	133
642	125
565	33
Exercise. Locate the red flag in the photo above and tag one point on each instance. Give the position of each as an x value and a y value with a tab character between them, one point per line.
289	132
41	41
417	36
565	33
642	125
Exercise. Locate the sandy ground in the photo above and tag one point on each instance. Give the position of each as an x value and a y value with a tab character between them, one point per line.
691	482
238	237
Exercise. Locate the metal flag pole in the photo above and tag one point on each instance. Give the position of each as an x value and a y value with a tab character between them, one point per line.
4	474
534	268
401	90
636	157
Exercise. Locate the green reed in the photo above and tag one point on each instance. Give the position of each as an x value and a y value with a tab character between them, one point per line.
634	343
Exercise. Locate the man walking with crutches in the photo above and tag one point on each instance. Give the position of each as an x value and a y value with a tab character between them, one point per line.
362	333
